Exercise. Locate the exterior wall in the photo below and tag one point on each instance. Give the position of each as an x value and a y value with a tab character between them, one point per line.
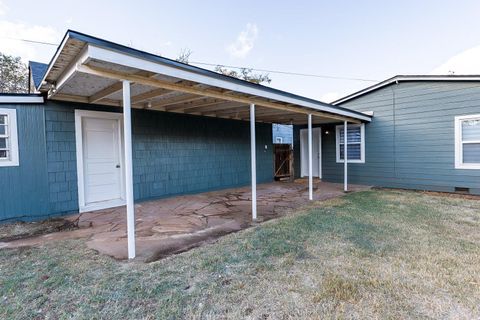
23	188
172	154
410	143
283	131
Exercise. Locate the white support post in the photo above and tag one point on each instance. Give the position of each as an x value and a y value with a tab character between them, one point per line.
345	156
127	133
310	159
254	162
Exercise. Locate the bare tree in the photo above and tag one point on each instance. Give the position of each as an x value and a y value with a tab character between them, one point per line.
246	74
13	75
184	55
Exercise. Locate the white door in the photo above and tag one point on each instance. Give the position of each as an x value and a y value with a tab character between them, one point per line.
316	152
102	172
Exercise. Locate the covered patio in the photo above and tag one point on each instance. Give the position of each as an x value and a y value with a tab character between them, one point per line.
93	71
172	225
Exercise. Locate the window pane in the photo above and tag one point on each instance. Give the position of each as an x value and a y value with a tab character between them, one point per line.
3	129
3	119
471	130
471	153
3	154
354	134
3	143
353	152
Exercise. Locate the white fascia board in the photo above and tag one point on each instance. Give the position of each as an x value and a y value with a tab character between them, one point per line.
404	78
102	54
71	69
21	99
54	59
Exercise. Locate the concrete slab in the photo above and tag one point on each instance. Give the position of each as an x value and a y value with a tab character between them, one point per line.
176	224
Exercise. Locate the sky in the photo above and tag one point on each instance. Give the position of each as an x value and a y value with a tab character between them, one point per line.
368	40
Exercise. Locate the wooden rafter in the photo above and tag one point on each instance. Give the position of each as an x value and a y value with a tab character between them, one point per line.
149	95
117	86
177	100
204	91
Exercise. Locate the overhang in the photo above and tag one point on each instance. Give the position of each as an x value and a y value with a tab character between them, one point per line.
90	70
408	78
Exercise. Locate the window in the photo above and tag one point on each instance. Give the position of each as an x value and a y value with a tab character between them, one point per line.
355	143
8	138
278	140
467	142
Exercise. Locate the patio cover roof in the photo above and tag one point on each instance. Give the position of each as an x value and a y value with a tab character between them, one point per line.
90	70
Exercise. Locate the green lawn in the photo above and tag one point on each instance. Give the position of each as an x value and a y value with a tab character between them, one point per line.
383	254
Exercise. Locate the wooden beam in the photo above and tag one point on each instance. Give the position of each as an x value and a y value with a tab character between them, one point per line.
149	95
117	86
178	100
218	107
195	104
206	92
206	105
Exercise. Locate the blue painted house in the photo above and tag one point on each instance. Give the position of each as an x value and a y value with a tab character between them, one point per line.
424	135
107	125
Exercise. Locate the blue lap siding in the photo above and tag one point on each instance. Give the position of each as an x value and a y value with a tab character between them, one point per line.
410	142
23	188
172	154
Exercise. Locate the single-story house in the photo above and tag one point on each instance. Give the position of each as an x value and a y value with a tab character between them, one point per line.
107	125
424	135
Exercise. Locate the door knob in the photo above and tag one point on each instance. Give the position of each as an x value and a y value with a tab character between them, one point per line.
117	166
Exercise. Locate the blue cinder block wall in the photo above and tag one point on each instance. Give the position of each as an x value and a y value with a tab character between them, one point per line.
410	142
172	154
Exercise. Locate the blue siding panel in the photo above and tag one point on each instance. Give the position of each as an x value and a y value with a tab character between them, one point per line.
24	187
410	143
172	154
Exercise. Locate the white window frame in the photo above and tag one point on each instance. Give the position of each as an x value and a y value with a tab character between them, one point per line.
459	143
12	138
362	143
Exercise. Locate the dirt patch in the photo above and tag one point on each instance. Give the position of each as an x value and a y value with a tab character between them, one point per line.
23	230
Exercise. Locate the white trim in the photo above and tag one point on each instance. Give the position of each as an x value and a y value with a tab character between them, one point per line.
345	155
362	143
79	114
320	173
459	143
70	70
127	128
52	62
96	52
310	159
20	99
253	161
304	144
12	138
397	79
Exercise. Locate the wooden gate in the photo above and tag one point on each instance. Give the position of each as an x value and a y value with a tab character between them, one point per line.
283	161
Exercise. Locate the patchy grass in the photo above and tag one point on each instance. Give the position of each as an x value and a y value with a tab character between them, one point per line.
381	254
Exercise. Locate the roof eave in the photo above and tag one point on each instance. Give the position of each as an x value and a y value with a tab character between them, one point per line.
405	78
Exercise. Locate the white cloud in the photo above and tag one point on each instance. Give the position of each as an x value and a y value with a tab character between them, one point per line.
3	8
27	51
245	42
330	97
466	62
